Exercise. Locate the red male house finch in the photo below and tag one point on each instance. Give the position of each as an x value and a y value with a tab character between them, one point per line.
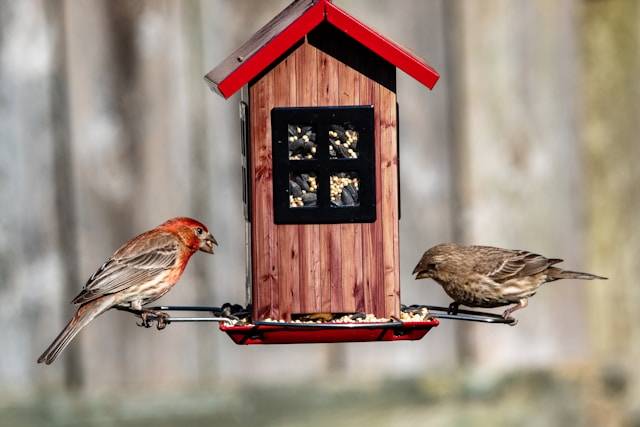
484	276
141	271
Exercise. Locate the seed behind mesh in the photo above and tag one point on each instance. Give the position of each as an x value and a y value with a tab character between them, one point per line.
302	142
343	142
344	189
303	190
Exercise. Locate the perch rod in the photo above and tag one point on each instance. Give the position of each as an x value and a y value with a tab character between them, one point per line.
220	316
466	315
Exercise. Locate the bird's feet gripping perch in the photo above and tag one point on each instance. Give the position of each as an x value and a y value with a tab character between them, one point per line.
149	316
453	308
507	313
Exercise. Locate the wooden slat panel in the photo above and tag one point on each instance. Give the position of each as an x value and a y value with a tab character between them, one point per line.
369	265
351	250
264	241
389	208
358	283
378	287
378	75
309	235
335	253
284	79
327	267
330	267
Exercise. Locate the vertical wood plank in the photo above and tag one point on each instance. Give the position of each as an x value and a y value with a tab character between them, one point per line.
284	76
502	148
358	280
611	66
351	250
378	257
330	272
32	270
66	220
389	208
264	242
369	265
309	235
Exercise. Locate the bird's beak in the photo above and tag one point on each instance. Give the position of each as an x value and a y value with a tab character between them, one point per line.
208	243
417	269
422	275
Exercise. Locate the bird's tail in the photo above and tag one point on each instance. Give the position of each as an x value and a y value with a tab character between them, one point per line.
555	273
85	314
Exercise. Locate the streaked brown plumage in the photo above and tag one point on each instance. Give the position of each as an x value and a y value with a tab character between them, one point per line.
141	271
484	276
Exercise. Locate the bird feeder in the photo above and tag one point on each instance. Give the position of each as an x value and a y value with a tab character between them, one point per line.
319	121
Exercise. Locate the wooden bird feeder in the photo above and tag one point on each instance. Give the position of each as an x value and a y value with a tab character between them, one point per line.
320	168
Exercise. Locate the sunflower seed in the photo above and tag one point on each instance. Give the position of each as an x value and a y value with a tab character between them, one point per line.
304	185
310	199
294	189
346	198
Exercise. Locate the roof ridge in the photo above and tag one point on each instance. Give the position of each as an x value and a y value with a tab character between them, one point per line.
294	23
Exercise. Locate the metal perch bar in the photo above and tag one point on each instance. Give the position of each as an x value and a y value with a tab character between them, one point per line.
220	316
216	311
466	315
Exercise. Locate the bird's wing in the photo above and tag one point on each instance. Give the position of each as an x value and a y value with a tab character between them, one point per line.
138	261
503	265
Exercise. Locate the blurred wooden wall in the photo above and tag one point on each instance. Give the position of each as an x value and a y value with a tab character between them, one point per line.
610	39
107	128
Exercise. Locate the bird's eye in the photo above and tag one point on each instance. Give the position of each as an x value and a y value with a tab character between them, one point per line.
431	267
199	231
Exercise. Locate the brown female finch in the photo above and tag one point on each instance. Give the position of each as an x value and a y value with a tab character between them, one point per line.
141	271
484	276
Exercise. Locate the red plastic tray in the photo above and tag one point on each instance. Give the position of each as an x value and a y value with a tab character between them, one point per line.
300	333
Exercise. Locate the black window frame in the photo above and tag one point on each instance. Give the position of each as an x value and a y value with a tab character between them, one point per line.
361	117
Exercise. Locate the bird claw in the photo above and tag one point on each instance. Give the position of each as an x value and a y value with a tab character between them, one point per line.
149	316
162	320
512	321
145	322
453	308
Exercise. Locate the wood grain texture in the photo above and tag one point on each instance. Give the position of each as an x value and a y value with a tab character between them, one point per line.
378	256
330	241
369	264
498	165
324	267
284	88
264	242
326	72
611	66
388	162
309	235
351	251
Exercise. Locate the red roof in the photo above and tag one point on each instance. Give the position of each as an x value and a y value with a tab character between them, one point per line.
291	25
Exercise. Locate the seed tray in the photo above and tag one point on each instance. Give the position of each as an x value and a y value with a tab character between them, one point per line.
300	333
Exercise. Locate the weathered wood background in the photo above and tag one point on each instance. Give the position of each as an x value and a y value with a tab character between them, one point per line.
107	128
